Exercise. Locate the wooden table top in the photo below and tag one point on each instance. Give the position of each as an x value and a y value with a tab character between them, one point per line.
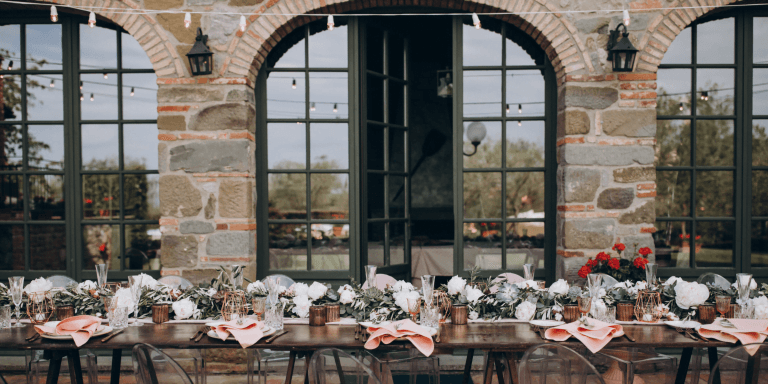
484	336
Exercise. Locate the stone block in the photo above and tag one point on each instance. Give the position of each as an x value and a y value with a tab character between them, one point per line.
235	198
572	123
588	97
225	116
211	156
171	123
241	95
178	251
634	243
616	198
630	123
174	23
231	244
579	185
646	213
606	155
243	3
593	25
195	94
589	234
178	197
634	174
196	227
210	207
199	276
162	157
163	4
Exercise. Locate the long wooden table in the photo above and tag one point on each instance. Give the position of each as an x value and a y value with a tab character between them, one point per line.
491	337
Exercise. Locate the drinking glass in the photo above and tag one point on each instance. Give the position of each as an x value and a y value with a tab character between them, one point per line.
650	274
273	289
585	304
430	316
134	282
742	286
528	271
427	287
609	316
370	276
119	318
259	305
101	275
274	315
414	307
723	304
594	280
5	316
16	287
743	311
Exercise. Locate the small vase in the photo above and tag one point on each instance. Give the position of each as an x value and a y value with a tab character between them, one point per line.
317	315
332	313
570	313
64	312
625	311
160	313
706	314
459	314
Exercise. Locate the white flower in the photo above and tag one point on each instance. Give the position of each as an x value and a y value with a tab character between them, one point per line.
527	284
672	317
347	296
38	285
623	284
184	309
401	285
124	298
301	305
456	285
317	290
257	287
300	289
690	294
752	285
85	287
672	280
281	289
401	298
211	292
473	315
345	287
525	310
473	294
598	306
558	316
148	281
560	287
761	307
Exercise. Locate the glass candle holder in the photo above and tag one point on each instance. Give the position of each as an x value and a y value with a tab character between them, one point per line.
5	316
332	313
234	307
647	306
40	307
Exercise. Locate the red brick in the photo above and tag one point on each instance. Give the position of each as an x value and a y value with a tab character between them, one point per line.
647	194
169	222
628	86
224	259
647	4
242	227
242	135
166	137
646	85
638	95
570	140
570	253
222	227
648	103
637	76
648	230
570	208
170	272
590	207
646	186
173	108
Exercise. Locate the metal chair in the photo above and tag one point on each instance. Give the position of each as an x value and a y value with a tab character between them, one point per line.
741	365
557	364
714	279
623	365
608	281
175	282
396	366
382	281
333	365
152	366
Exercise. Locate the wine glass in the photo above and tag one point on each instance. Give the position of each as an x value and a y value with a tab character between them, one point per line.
529	271
585	304
723	304
16	286
101	275
134	282
370	276
594	280
414	307
259	305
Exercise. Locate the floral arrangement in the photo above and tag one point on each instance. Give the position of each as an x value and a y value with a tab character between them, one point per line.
617	267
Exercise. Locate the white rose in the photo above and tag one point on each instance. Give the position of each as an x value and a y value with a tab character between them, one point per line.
401	299
401	285
456	285
525	310
598	306
761	307
527	284
85	287
211	292
560	287
148	281
752	285
300	289
690	294
558	316
347	297
473	315
345	287
473	294
256	287
38	285
672	280
124	298
301	305
184	309
317	290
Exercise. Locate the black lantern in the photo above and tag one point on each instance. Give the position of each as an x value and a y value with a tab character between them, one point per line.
621	51
200	57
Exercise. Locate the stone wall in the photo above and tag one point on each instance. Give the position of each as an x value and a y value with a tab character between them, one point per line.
606	121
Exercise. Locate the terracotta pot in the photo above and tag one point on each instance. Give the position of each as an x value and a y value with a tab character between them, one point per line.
625	311
706	314
459	314
160	313
332	313
65	312
571	313
317	315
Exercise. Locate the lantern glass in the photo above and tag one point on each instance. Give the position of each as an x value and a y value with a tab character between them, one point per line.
200	57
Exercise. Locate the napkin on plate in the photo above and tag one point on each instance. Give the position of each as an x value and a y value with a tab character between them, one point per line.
81	328
594	338
747	331
247	333
415	333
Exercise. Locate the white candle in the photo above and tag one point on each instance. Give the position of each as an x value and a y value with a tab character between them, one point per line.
40	317
648	317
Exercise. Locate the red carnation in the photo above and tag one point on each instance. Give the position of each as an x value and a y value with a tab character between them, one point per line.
640	262
614	263
592	263
103	247
645	251
619	247
584	271
602	256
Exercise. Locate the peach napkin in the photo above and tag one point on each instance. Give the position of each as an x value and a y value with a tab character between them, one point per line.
247	333
747	331
594	338
415	333
81	328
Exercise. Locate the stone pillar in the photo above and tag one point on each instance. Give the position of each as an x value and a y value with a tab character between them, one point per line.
606	175
207	172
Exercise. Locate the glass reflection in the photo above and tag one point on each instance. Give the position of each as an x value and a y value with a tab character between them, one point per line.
760	91
482	245
12	247
396	196
101	197
142	197
481	47
140	96
673	198
47	247
714	142
376	238
294	57
759	143
330	195
101	245
142	243
11	95
673	142
375	196
525	144
98	47
287	247
759	193
287	196
396	150
715	42
482	195
525	244
715	91
672	242
488	153
715	246
396	103
46	197
134	56
140	146
525	93
287	145
44	46
99	97
285	95
396	243
328	48
11	157
679	51
482	93
329	146
674	94
45	97
45	147
760	243
100	147
330	247
328	95
525	195
10	44
714	194
11	197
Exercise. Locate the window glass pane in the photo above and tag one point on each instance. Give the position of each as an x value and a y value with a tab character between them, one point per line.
672	241
47	247
396	150
525	244
330	247
525	93
45	97
489	151
714	193
330	195
287	196
101	197
140	147
374	50
396	105
525	144
12	95
98	47
482	93
375	147
328	48
45	145
293	58
375	195
718	85
44	46
396	243
680	50
714	142
525	195
101	245
482	245
396	196
760	91
759	193
375	96
715	42
759	31
286	146
328	90
134	56
140	96
516	55
329	146
287	247
11	157
10	45
142	242
99	147
376	236
759	243
482	195
284	100
396	57
481	47
674	92
715	247
673	197
99	97
46	194
12	247
759	143
11	198
673	142
142	197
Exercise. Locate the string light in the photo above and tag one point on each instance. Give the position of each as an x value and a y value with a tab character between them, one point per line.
53	84
54	14
187	20
81	97
10	65
133	91
91	96
705	95
625	16
312	107
682	106
243	24
294	84
330	23
81	85
519	123
106	76
335	108
92	20
507	108
519	108
476	20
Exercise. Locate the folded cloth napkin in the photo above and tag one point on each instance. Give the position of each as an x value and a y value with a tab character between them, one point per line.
415	333
595	337
247	333
747	331
81	328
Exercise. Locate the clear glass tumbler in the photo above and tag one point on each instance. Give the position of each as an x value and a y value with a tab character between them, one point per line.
5	316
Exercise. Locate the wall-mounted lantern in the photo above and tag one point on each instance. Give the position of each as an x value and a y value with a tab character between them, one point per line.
200	57
621	51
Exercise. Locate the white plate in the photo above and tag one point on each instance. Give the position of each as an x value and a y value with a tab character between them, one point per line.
220	322
100	331
371	324
266	331
546	323
688	324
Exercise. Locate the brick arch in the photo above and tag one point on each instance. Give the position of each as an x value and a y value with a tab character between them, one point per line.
556	35
155	42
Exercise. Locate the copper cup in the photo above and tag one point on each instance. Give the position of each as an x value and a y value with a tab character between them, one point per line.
706	314
625	311
160	313
571	313
459	314
65	312
317	315
332	313
732	311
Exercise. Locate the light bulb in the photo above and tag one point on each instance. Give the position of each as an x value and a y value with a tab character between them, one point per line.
106	76
705	95
10	65
519	123
330	23
519	108
187	20
681	106
312	107
54	14
53	84
133	91
92	20
81	85
243	24
335	108
625	16
91	96
81	97
476	20
293	85
507	108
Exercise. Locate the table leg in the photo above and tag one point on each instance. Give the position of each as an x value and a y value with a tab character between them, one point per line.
54	366
753	368
512	361
291	362
73	361
712	351
682	369
468	366
488	371
307	358
117	357
499	369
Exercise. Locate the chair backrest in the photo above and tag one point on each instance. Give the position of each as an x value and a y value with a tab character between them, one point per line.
61	281
733	366
175	282
714	279
283	280
608	281
333	365
152	366
382	281
556	363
